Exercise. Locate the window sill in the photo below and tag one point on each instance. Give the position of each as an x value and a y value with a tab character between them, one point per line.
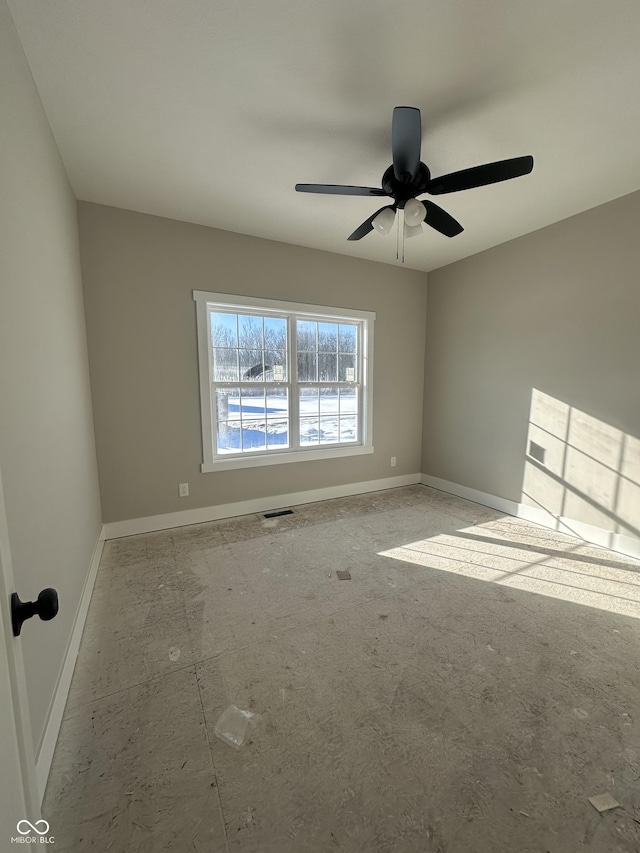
260	459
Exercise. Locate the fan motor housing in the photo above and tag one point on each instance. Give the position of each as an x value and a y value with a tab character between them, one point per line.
401	191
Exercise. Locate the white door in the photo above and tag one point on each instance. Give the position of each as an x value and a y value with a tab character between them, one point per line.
19	799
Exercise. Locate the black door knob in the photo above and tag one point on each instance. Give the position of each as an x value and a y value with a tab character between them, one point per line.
46	606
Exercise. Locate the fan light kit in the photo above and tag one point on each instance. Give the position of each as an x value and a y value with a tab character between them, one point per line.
383	222
408	177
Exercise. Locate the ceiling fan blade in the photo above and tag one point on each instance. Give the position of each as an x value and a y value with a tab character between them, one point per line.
367	225
439	219
480	176
406	139
337	189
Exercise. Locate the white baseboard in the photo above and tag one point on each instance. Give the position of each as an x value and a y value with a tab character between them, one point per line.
118	529
627	545
56	710
501	504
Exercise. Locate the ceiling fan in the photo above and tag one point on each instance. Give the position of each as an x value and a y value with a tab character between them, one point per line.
408	177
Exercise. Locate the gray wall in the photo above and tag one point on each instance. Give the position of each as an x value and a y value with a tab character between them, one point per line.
554	315
139	272
47	453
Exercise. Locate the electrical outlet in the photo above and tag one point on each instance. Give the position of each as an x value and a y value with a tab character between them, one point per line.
393	461
184	490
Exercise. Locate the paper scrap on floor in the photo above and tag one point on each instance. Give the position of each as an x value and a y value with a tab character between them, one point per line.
604	802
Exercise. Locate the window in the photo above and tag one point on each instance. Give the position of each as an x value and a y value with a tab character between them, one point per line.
281	381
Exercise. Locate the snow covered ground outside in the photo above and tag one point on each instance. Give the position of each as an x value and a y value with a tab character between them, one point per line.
261	422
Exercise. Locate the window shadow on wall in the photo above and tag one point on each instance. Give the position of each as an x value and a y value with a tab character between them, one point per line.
581	472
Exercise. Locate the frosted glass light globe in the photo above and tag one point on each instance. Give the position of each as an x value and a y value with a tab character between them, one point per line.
412	230
414	212
384	221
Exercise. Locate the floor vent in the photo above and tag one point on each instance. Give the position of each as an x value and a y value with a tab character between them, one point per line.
278	512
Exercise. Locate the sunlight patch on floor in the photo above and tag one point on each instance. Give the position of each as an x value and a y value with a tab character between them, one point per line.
545	567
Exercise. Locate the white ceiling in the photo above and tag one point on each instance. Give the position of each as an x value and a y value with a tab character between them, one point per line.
210	111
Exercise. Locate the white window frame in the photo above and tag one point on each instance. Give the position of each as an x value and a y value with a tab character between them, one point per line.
205	302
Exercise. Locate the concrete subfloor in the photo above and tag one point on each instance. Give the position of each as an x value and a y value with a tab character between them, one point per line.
470	687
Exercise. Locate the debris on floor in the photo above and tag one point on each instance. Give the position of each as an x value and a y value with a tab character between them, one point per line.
343	576
604	802
233	724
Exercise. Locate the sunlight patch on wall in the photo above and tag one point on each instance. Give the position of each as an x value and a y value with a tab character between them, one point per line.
580	470
507	553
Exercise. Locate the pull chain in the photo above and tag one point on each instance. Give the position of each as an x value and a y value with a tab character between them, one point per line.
399	238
